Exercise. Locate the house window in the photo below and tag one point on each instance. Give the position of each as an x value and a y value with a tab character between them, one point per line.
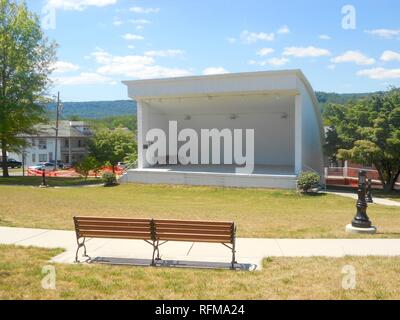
50	156
42	157
66	143
33	157
33	142
79	144
42	144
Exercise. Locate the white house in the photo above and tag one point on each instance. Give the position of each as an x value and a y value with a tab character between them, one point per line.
280	106
71	147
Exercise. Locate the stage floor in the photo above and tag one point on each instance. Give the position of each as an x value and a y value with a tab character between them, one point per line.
264	176
223	169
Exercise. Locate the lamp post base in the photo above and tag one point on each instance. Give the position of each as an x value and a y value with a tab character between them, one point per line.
351	229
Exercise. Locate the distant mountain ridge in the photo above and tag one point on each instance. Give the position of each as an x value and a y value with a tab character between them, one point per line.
106	109
95	109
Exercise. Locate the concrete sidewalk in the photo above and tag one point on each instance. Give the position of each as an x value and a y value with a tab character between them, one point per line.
381	201
250	252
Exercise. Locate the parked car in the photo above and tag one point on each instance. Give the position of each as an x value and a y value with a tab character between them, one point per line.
46	166
12	163
121	165
60	164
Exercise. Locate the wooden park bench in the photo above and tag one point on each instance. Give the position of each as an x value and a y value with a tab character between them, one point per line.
155	232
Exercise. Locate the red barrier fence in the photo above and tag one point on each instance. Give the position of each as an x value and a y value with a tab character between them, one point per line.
71	173
342	176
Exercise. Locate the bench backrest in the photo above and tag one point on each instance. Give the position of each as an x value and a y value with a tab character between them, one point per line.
114	228
155	229
195	231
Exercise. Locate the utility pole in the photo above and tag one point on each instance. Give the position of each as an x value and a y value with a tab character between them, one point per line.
23	162
57	121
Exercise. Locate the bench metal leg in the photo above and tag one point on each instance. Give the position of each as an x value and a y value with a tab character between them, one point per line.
80	245
233	256
233	248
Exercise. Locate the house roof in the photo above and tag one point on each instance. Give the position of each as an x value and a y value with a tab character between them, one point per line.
66	129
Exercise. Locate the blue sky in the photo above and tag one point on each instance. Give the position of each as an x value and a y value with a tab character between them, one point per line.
103	42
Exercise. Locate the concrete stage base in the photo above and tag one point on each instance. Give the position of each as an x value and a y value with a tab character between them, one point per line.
281	177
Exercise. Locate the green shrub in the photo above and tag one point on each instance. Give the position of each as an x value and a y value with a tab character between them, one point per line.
308	182
110	179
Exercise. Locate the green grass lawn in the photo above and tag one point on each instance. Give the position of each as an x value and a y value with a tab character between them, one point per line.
13	171
51	181
257	212
281	278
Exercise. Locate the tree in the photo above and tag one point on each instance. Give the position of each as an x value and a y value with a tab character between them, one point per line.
112	146
368	132
88	164
26	58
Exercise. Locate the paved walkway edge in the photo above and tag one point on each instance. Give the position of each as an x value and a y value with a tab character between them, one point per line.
250	251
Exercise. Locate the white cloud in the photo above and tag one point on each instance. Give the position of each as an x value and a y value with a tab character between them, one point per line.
214	70
231	40
63	66
264	52
134	66
132	37
253	37
78	5
283	30
302	52
140	21
131	46
85	78
380	73
276	62
390	56
144	10
164	53
324	37
332	67
385	33
355	57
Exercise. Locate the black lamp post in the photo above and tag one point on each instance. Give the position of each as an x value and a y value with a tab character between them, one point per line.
43	178
369	192
361	219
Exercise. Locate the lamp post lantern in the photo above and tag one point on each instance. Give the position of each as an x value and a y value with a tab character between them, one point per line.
361	222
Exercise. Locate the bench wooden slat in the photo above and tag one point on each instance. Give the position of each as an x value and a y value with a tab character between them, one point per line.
194	231
195	238
194	222
83	228
193	226
131	237
93	234
114	224
112	219
188	236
